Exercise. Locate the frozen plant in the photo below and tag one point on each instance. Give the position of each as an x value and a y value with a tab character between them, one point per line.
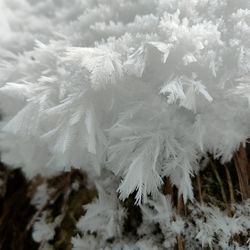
143	89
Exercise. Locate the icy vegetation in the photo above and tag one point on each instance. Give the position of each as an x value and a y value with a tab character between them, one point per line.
131	92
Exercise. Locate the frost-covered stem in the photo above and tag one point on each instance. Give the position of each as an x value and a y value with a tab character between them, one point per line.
180	205
66	193
198	180
243	172
223	194
52	198
167	188
42	245
230	188
4	173
180	210
180	242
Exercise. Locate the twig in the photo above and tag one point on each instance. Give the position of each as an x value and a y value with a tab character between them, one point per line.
180	210
67	194
167	188
42	245
180	243
180	204
198	180
230	187
243	172
4	175
223	194
52	198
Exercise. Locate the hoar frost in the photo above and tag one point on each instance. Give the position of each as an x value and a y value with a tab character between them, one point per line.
143	89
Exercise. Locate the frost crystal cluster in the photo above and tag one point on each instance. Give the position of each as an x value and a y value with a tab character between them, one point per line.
131	92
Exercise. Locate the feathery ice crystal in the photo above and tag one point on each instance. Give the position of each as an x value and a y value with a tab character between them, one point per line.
142	89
